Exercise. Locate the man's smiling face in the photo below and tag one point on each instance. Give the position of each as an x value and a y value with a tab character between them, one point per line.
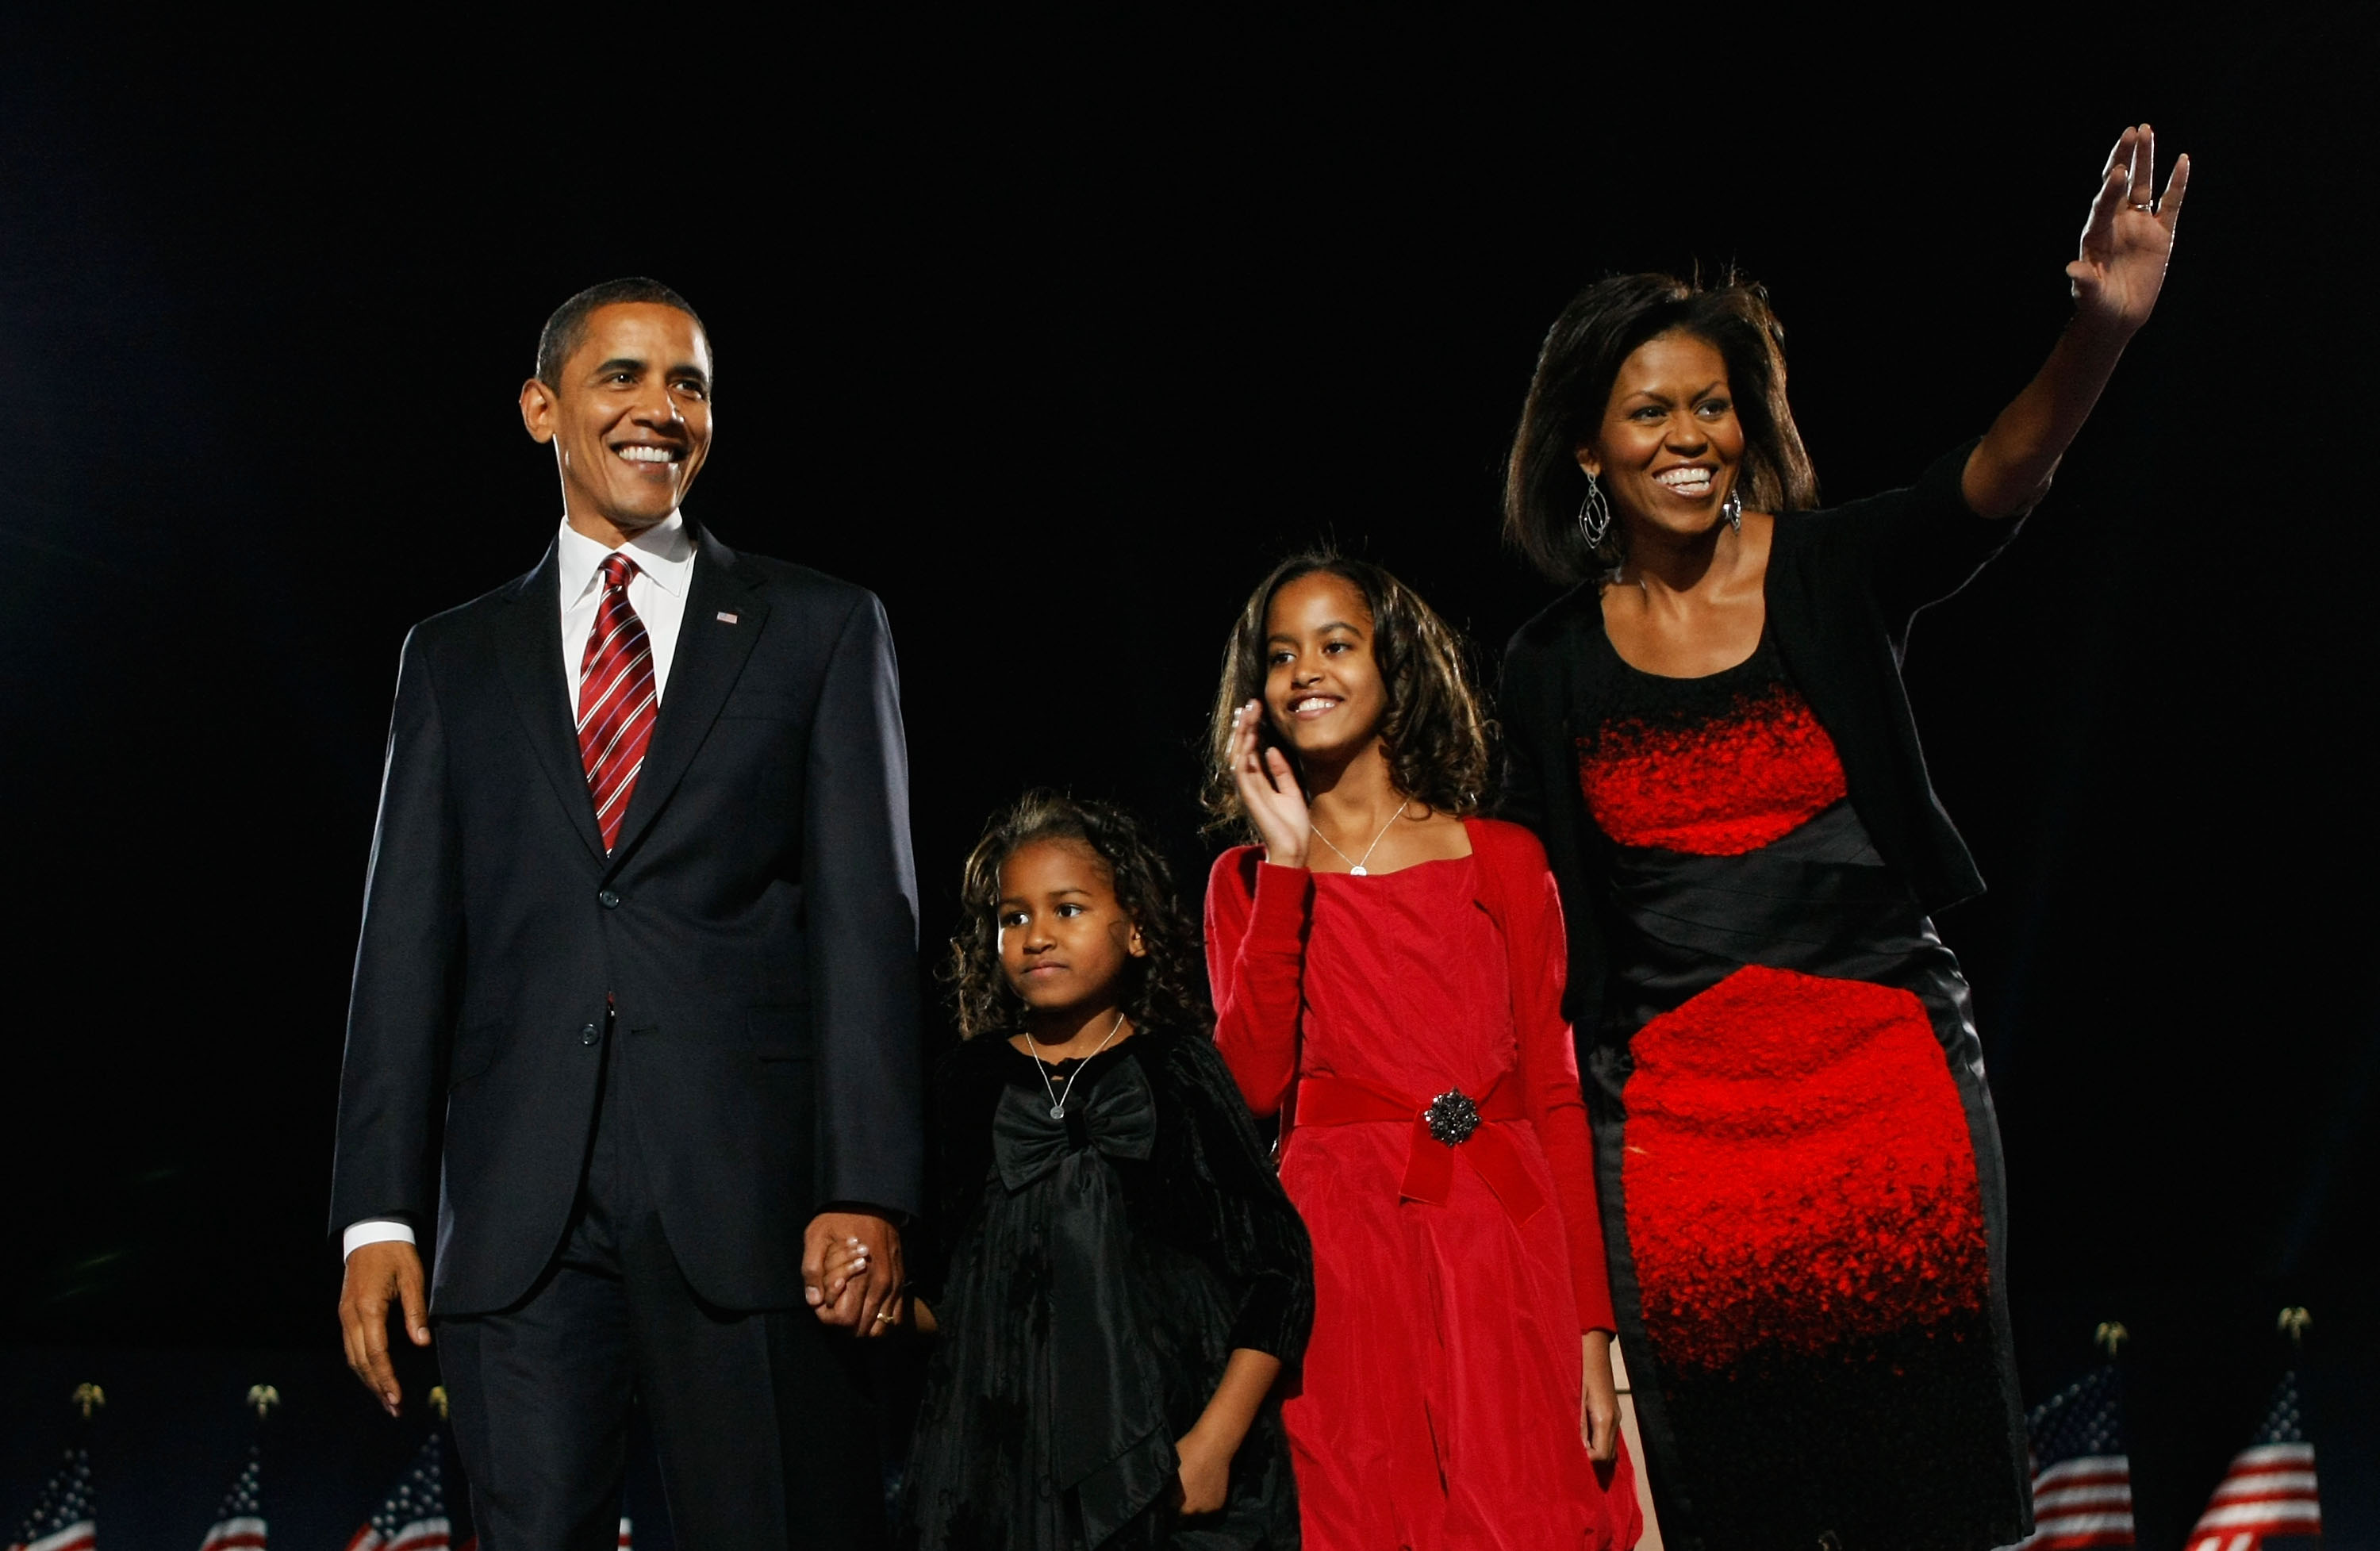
629	418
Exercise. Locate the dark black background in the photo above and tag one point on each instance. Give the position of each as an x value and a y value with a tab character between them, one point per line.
1055	335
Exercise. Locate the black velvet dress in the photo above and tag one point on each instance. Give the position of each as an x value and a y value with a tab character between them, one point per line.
1101	1269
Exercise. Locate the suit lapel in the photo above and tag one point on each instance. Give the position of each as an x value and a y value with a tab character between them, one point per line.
712	652
528	651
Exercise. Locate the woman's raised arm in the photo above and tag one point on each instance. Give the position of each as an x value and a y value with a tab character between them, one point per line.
2117	276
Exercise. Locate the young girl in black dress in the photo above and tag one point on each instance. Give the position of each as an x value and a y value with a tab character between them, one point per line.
1125	1279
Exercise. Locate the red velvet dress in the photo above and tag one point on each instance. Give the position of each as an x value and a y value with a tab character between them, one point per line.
1438	1404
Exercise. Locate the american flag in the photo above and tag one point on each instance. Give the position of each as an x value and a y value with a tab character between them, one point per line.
66	1515
239	1523
414	1517
2081	1476
2269	1491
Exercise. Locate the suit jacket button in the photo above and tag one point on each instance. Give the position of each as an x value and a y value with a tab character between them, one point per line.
610	900
588	1036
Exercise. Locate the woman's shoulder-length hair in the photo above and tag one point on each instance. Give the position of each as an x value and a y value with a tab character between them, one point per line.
1578	362
1436	731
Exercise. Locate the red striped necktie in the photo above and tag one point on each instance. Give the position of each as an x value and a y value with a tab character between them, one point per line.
616	699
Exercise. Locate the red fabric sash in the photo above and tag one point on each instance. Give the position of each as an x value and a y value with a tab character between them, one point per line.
1429	1167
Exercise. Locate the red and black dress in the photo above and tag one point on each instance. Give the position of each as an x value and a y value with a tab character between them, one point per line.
1793	1129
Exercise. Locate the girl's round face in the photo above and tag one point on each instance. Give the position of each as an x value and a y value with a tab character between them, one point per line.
1322	688
1064	939
1669	447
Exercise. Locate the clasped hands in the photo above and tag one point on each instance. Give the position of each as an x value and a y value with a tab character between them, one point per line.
852	1272
852	1277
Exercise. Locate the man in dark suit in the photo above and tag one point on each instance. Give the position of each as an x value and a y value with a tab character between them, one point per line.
634	1018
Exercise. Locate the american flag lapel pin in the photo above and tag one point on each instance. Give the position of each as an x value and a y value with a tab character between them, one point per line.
726	618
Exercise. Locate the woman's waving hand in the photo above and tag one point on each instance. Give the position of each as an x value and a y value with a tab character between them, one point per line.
2116	277
2130	234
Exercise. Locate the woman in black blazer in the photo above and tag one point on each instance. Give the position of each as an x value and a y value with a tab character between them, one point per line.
1801	1172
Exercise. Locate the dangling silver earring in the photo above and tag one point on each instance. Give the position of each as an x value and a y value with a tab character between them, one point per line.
1594	515
1732	509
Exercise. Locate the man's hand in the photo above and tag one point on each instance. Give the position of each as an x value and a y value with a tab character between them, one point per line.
379	1274
861	1292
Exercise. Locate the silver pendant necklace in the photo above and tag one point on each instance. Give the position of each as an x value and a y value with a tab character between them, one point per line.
1058	1096
1355	867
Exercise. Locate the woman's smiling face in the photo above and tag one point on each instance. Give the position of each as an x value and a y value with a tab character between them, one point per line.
1670	447
1323	690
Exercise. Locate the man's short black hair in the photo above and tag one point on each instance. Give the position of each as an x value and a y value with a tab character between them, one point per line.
567	329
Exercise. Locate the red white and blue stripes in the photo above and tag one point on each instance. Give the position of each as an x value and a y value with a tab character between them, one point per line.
66	1516
2270	1488
2081	1471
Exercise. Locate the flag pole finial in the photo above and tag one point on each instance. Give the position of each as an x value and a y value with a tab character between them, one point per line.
438	1400
2293	1323
262	1399
88	1398
2111	1337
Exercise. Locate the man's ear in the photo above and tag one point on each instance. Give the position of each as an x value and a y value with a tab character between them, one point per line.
538	410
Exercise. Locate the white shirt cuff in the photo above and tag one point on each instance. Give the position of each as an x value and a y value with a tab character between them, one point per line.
375	1231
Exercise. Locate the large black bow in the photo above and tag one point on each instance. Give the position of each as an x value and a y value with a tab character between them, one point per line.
1111	1111
1110	1409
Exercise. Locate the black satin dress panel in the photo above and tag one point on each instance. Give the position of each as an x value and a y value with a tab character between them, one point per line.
1101	1269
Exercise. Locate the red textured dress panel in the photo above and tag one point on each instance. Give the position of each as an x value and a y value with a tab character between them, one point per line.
1798	1171
1718	787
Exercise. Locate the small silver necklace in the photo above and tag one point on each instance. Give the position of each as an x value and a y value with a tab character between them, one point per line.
1355	867
1058	1096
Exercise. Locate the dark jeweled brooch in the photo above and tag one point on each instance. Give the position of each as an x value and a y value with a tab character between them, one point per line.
1453	1117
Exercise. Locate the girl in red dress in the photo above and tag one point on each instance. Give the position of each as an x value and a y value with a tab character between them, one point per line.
1388	981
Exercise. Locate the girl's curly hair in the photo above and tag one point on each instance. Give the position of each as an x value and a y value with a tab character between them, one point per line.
1436	731
1166	988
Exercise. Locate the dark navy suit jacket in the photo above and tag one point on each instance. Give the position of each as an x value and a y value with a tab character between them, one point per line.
754	931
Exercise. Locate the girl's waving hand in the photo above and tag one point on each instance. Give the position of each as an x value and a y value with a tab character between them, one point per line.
1268	791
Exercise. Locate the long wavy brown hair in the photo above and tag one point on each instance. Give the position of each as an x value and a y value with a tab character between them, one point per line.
1436	733
1166	987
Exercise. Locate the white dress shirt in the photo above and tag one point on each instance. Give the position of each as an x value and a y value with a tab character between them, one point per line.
664	557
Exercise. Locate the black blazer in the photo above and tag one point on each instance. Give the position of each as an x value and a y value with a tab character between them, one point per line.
1842	587
755	928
